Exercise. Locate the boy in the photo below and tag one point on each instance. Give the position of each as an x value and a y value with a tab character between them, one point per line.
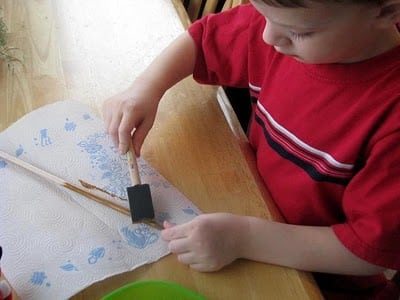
325	128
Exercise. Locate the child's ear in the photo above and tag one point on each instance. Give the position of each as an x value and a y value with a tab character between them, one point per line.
389	12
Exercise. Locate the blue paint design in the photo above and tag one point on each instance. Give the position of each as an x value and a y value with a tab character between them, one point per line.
190	211
86	116
96	254
91	146
113	170
69	267
38	278
69	126
19	151
43	138
3	164
140	237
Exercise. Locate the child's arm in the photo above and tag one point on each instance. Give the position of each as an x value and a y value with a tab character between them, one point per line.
211	241
136	107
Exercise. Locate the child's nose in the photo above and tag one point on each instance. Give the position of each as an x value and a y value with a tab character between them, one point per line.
272	36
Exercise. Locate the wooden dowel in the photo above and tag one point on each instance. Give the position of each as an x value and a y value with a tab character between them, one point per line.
62	182
74	187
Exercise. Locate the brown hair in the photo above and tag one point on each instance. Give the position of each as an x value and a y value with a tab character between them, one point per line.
303	3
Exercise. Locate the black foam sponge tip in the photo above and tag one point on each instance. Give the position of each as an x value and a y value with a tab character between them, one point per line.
140	202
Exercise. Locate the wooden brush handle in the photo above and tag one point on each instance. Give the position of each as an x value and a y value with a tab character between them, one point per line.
62	182
133	167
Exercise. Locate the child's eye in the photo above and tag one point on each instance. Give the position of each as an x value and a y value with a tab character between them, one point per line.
298	35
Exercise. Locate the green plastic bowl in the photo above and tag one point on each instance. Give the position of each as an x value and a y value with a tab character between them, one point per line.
154	290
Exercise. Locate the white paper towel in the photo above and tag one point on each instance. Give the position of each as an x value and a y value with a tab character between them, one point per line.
55	241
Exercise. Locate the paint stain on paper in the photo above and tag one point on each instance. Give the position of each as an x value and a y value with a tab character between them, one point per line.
139	236
3	164
39	279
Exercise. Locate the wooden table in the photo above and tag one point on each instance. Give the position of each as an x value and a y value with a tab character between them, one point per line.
89	50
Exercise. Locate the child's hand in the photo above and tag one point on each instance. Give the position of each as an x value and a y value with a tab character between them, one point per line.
135	108
208	242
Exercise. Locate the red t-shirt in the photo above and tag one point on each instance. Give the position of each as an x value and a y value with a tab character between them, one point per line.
326	137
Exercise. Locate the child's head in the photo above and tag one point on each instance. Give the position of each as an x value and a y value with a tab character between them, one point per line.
305	3
332	31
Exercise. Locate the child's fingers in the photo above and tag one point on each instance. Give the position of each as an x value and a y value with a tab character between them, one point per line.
175	232
179	246
141	132
167	224
200	267
113	125
186	258
138	139
125	132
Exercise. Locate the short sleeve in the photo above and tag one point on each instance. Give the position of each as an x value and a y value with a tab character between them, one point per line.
222	47
371	203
